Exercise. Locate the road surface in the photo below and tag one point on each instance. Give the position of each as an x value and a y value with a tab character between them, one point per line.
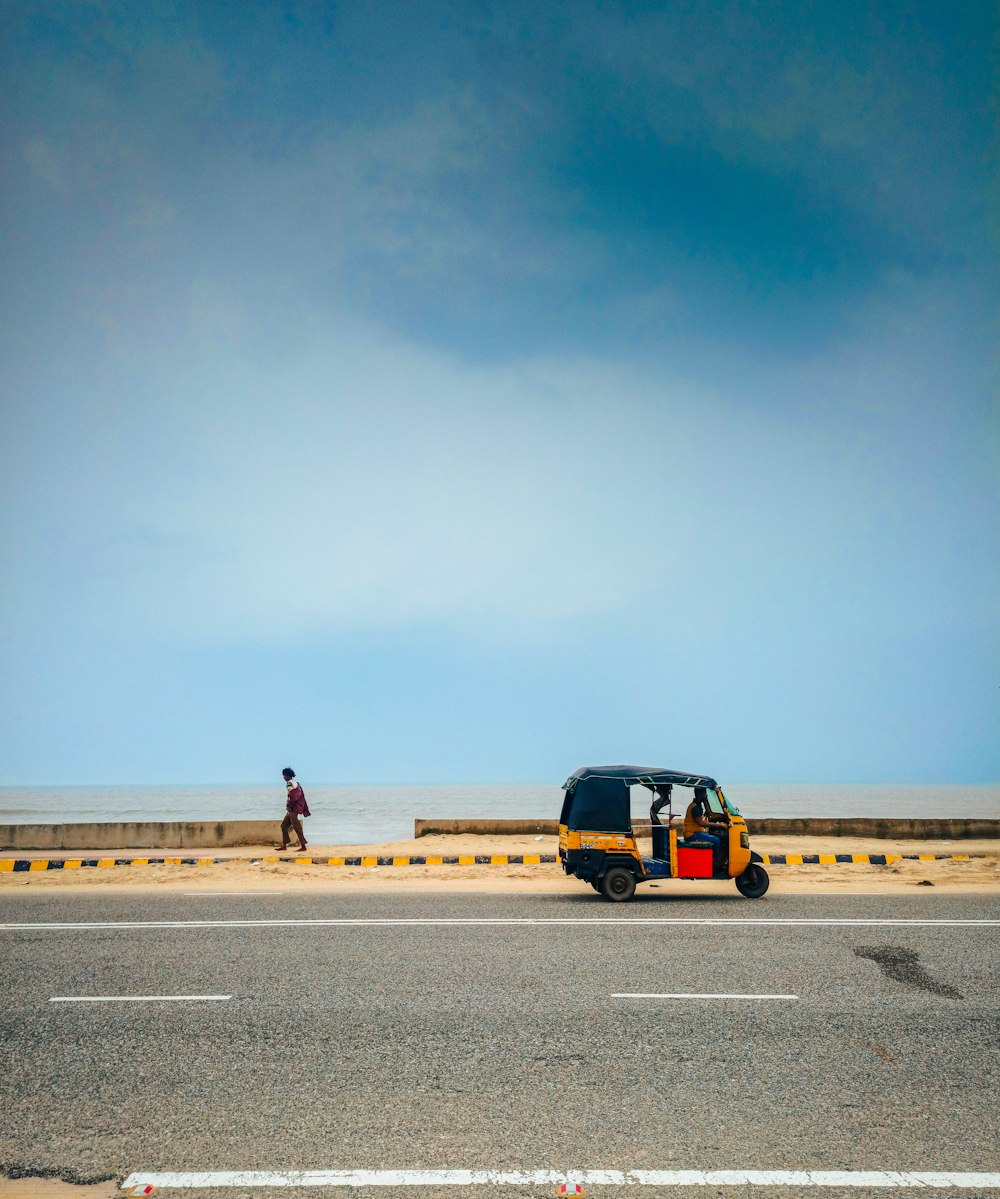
183	1035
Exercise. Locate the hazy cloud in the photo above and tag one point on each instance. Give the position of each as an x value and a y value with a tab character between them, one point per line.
470	362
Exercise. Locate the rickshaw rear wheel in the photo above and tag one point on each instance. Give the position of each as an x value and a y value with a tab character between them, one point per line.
753	882
618	884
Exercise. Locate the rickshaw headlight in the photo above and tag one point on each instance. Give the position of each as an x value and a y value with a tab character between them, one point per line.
744	840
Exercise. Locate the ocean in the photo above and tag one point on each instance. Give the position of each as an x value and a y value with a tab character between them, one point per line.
356	815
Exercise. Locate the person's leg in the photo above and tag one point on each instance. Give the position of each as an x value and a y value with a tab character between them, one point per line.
297	826
286	824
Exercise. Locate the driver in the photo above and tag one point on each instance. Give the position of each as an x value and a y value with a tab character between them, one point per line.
698	829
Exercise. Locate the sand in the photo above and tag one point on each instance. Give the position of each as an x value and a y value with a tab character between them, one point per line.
244	874
52	1188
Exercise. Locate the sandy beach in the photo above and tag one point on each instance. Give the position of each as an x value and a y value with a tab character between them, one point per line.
246	871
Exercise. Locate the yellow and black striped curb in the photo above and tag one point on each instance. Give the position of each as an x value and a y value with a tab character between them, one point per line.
18	865
499	859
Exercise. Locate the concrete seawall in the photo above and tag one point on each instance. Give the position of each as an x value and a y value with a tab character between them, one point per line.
889	829
858	826
220	834
196	834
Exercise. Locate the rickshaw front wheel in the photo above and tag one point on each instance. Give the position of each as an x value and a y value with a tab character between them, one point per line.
753	882
618	884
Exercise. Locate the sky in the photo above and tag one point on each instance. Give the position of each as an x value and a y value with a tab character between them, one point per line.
468	392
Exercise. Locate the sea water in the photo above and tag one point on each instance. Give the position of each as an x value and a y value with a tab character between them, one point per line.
356	815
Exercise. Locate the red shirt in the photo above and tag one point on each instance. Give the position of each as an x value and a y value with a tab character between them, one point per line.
296	803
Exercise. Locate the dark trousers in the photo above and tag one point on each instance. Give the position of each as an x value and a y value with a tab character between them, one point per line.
292	822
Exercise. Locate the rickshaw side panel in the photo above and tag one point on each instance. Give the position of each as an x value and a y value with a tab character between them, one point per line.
588	854
739	846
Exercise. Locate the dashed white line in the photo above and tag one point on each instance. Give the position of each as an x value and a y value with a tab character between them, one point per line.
690	995
136	998
941	1180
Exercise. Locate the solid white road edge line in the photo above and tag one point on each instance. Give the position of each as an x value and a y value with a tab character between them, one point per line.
541	922
659	1178
135	998
690	995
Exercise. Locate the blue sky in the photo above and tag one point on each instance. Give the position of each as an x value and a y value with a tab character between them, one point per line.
466	392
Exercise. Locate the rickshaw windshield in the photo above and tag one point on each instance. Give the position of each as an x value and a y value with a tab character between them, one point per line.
715	803
729	803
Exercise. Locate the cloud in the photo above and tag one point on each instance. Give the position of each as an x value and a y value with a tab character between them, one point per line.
445	351
452	362
607	180
367	485
345	480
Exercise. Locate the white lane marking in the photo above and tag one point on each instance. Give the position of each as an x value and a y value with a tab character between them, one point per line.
527	921
136	998
659	1178
690	995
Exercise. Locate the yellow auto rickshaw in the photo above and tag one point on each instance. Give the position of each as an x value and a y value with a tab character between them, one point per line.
704	838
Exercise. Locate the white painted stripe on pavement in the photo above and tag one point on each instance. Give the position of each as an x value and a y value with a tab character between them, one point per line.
135	998
660	1178
526	921
690	995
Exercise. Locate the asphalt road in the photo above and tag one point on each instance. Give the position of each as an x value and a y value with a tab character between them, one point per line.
499	1046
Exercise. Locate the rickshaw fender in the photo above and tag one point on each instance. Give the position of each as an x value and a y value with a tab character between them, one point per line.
755	857
625	860
585	863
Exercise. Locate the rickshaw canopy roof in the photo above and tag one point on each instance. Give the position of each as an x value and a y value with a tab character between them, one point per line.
597	796
648	776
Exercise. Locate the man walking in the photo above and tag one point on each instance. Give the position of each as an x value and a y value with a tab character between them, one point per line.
295	808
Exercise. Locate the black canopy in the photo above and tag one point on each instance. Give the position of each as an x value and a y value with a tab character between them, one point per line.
597	796
649	776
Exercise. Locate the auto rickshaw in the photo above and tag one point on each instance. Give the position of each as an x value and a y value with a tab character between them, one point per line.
598	844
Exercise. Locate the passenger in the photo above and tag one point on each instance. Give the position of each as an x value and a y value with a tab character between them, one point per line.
662	801
659	833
